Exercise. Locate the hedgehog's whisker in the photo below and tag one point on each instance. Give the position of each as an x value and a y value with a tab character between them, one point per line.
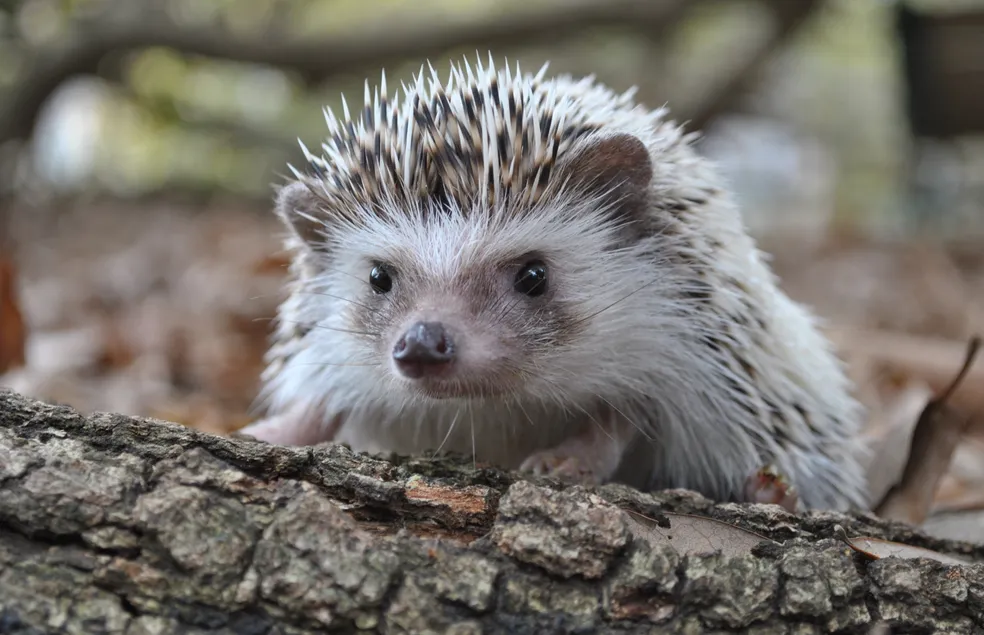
505	312
351	331
346	273
367	365
519	404
594	421
318	326
630	421
338	297
616	302
571	402
474	454
498	298
579	407
448	435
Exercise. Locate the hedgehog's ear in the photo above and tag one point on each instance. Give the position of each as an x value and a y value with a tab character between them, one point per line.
617	169
301	208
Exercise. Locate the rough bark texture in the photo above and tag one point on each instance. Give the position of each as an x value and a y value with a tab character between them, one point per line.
115	524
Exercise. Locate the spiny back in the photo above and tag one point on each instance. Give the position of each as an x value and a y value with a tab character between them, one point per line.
485	136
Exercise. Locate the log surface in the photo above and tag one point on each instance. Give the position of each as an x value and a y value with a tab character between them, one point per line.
115	524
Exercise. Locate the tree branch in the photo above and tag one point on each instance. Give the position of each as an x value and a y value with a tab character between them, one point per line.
789	16
116	524
133	25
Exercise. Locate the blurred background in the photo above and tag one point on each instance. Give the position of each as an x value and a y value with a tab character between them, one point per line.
140	139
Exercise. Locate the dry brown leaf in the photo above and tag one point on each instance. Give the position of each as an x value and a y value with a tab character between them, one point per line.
962	489
957	495
117	351
197	412
694	535
276	265
876	549
934	440
928	359
13	329
910	286
889	435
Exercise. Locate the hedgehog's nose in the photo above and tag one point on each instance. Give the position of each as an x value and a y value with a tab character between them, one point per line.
424	349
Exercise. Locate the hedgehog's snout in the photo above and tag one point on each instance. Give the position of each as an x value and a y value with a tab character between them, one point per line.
425	349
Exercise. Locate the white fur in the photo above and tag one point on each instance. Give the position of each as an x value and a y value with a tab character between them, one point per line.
642	356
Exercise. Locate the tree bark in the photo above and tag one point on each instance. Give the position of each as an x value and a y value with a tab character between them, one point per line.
115	524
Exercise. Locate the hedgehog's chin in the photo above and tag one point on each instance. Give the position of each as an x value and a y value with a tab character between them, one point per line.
448	389
450	386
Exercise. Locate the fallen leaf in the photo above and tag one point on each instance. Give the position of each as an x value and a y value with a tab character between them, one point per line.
956	495
962	489
199	411
276	264
694	535
891	434
934	440
915	357
876	549
117	352
13	330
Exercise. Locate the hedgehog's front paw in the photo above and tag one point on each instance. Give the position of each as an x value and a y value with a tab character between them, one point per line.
299	425
768	485
590	456
562	465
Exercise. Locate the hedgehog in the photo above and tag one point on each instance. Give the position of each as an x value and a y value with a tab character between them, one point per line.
546	275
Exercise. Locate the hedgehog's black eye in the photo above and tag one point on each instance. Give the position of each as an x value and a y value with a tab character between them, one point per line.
380	279
531	279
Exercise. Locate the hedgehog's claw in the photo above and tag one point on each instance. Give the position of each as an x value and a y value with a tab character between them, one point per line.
589	457
768	485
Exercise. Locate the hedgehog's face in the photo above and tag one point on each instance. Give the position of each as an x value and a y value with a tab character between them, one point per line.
465	326
447	300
